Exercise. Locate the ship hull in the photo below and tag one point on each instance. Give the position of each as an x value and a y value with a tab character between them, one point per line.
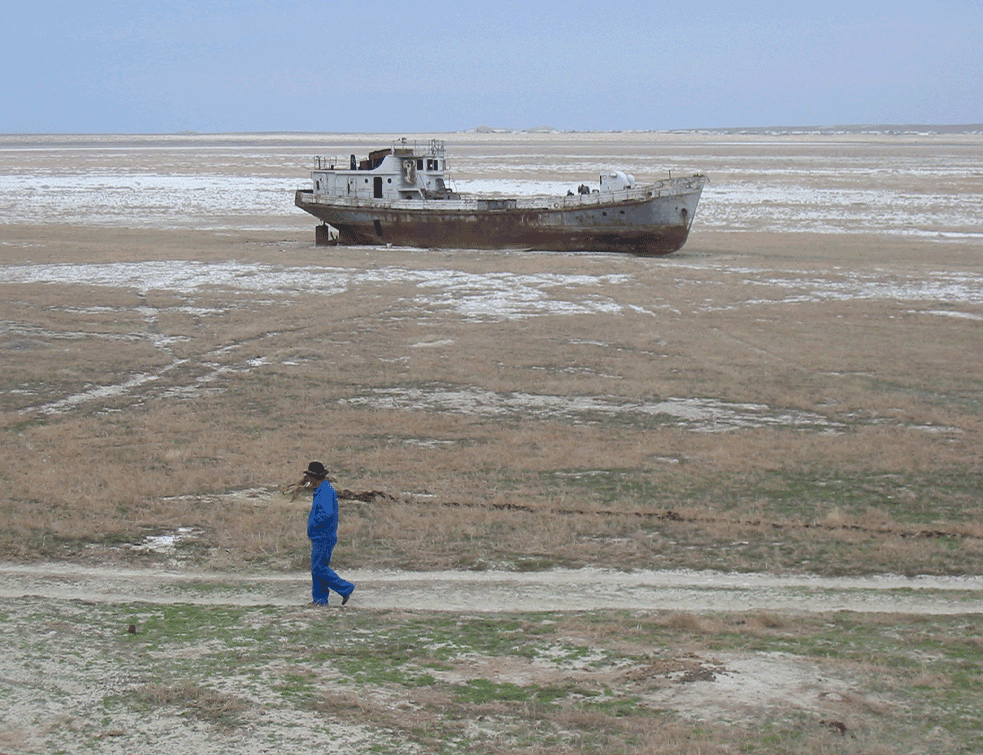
652	220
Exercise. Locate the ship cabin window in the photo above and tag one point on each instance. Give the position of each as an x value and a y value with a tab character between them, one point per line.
431	165
419	163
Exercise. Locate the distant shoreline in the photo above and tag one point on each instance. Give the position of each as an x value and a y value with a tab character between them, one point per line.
912	129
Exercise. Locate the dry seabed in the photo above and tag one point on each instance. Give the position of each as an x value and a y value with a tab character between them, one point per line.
707	437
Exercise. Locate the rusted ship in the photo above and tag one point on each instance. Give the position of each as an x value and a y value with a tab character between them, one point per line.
400	196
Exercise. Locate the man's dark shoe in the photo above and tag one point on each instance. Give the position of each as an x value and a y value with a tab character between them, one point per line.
344	598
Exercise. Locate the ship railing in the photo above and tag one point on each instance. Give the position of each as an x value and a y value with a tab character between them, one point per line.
635	194
401	147
432	148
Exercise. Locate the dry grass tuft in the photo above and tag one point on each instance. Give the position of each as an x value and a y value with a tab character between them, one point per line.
685	622
207	704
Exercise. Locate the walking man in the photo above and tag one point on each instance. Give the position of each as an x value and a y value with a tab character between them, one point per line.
322	529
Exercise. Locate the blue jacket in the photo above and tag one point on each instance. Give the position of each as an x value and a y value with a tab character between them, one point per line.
322	524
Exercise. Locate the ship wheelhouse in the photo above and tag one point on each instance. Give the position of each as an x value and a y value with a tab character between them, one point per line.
404	171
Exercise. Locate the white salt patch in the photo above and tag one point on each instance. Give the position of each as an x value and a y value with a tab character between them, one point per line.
471	295
752	206
956	315
701	415
165	543
149	200
100	393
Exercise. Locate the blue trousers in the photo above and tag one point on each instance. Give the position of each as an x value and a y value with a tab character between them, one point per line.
322	575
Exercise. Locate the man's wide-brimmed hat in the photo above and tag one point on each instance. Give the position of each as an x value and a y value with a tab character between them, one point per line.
316	470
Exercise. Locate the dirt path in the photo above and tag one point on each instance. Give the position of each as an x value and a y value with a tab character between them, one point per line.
495	592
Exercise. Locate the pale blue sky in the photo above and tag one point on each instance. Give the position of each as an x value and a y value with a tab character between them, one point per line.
139	66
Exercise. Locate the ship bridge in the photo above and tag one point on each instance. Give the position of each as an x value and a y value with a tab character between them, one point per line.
404	171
